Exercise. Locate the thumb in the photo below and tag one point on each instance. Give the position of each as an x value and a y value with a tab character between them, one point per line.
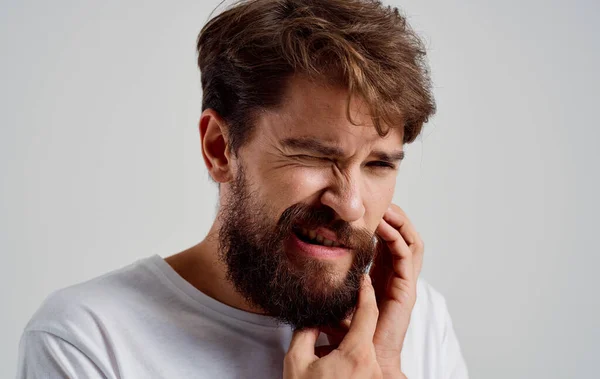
302	346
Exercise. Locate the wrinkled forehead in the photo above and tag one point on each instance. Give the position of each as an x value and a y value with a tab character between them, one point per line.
319	111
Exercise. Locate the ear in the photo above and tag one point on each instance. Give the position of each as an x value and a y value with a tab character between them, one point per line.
215	148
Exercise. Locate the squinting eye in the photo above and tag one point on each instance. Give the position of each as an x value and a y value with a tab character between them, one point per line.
381	164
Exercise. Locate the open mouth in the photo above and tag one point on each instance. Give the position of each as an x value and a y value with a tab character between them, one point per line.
311	236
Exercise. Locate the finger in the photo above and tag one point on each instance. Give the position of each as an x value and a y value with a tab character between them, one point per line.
302	346
401	253
403	224
410	235
365	318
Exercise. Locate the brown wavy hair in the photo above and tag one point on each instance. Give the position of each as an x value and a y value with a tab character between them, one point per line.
248	53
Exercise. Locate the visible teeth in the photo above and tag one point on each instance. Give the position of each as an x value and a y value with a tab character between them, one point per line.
312	235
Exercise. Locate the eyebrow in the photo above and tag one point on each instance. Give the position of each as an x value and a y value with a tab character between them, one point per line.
395	156
313	145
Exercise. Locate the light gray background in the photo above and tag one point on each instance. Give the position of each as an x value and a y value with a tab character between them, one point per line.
100	164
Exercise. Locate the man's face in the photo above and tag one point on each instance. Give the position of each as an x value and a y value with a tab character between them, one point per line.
310	188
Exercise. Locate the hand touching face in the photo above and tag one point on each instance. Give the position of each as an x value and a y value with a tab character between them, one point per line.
389	302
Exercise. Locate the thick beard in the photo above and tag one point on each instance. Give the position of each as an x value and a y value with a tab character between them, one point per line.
303	292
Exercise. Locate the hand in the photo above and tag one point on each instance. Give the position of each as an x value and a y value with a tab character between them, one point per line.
355	356
395	274
395	270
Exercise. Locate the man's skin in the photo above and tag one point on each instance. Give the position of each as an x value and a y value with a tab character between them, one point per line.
357	185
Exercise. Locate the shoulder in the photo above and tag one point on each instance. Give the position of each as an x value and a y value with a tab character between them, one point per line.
71	333
430	302
431	345
70	311
430	318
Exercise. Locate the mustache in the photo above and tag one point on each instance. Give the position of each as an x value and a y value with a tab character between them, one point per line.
311	217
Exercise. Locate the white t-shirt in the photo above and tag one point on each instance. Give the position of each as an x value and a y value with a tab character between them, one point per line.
146	321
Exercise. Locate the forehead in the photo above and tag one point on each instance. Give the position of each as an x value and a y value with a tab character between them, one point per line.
316	110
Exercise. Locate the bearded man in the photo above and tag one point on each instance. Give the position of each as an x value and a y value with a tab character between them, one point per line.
309	270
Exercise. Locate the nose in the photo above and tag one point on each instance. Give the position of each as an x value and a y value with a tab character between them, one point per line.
345	198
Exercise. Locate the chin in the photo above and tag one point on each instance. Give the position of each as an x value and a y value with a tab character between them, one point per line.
323	280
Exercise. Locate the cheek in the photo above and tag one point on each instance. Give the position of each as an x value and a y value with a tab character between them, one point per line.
302	183
294	184
378	197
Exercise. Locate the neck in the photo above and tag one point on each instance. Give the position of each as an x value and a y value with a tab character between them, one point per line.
201	267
